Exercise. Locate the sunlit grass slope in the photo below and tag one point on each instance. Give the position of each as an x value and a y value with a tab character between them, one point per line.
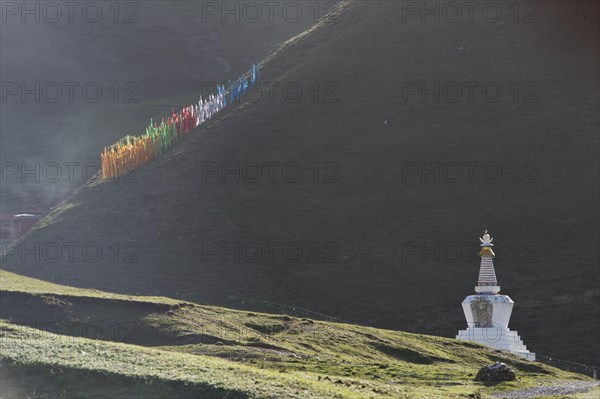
172	348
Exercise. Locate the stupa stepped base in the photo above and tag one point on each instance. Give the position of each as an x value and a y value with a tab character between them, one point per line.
497	338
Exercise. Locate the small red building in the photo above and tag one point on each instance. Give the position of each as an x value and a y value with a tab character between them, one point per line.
22	222
13	225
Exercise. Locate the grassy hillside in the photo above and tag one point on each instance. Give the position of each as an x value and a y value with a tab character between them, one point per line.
158	347
378	244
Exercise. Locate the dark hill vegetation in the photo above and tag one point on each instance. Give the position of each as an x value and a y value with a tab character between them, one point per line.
395	248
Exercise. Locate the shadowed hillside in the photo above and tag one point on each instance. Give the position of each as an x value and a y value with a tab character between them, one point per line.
151	56
383	230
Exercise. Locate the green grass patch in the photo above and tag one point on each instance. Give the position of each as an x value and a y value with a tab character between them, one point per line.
187	350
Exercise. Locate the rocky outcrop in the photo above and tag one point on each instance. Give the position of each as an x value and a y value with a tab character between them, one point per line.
495	372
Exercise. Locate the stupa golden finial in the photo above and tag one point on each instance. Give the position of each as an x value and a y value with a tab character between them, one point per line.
486	243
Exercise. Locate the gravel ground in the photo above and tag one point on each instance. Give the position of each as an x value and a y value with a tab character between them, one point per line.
564	388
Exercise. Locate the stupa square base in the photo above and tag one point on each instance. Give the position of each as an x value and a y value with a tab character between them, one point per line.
497	338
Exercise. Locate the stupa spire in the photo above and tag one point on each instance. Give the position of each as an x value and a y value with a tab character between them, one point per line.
487	283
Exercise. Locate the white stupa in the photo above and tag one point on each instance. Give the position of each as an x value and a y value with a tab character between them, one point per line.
488	313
